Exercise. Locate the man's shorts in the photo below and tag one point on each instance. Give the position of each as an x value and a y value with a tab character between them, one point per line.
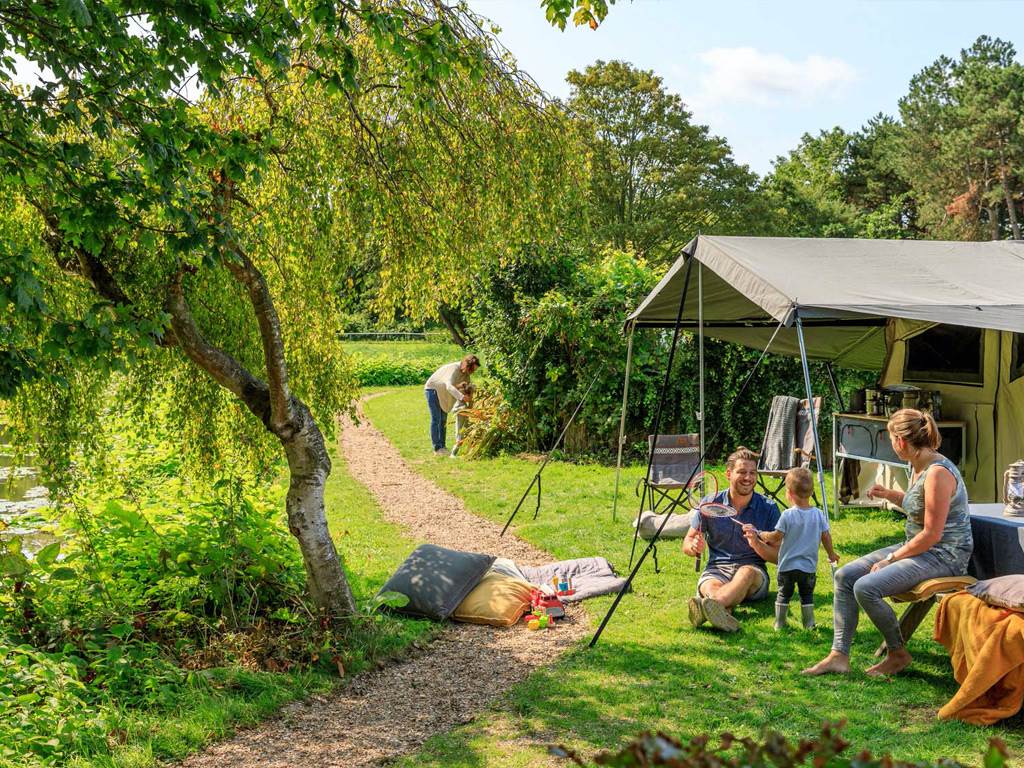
726	572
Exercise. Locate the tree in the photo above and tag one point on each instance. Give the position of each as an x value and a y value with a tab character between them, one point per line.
963	141
159	233
657	177
807	189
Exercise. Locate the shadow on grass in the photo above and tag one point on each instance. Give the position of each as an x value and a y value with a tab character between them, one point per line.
705	682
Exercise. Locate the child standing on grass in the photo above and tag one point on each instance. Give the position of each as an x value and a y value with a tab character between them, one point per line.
800	529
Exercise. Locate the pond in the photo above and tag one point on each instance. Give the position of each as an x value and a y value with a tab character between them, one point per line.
23	504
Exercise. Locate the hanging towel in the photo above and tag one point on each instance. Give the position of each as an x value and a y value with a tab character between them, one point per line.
777	450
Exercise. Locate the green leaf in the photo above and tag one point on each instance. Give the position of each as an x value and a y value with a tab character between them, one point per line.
129	517
63	574
77	12
14	564
48	554
389	599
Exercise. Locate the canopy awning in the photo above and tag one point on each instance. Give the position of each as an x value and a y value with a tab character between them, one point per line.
843	289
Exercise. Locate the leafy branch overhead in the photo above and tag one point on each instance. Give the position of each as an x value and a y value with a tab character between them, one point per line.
184	184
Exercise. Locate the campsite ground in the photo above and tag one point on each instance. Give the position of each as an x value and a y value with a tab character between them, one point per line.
651	670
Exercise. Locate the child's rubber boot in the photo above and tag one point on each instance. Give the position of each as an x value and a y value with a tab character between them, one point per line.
807	614
781	614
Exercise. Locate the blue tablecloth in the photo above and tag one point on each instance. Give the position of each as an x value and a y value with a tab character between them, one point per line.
998	542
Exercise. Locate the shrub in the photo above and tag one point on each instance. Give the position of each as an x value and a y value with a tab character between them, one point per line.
773	749
550	324
44	708
391	373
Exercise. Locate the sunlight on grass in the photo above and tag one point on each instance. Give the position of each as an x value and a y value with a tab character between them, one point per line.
651	670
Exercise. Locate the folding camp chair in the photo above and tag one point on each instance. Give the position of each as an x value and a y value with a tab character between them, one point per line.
788	443
674	479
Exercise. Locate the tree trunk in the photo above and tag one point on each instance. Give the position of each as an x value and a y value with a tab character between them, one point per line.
308	461
456	327
991	210
309	465
1011	207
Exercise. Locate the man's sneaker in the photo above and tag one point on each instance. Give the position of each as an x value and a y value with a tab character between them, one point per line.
696	612
718	616
441	452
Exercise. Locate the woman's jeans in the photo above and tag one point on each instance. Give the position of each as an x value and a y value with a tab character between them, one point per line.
856	586
438	420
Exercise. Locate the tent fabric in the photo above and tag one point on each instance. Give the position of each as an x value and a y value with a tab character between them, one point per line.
843	289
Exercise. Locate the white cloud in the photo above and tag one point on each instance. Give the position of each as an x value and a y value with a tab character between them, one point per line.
749	76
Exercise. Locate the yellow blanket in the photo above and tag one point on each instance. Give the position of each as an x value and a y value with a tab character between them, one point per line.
986	648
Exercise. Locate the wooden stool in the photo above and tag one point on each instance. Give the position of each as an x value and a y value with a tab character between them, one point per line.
921	599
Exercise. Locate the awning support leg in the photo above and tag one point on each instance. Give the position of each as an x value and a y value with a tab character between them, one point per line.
819	459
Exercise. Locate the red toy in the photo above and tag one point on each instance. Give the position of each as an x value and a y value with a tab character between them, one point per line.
548	604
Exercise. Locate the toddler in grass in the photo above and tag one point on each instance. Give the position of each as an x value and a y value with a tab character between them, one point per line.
800	530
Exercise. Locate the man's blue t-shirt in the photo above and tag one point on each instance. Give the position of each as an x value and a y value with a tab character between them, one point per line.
724	538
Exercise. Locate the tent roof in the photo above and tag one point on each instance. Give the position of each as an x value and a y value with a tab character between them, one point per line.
843	289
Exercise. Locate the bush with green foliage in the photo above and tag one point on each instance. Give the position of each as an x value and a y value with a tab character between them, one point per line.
391	373
825	751
549	324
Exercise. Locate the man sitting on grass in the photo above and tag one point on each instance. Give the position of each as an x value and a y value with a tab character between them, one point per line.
736	571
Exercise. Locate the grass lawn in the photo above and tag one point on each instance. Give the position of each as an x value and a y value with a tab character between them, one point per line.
651	670
372	549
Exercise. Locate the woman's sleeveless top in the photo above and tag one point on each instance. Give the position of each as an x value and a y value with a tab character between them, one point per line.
957	543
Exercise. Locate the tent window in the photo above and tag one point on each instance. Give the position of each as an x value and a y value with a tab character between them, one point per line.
946	353
1017	358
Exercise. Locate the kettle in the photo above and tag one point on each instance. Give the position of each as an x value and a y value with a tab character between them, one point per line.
1013	490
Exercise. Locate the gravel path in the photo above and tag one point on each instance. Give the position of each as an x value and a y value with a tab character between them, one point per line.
386	713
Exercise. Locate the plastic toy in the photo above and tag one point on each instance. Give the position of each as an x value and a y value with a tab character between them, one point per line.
535	624
548	605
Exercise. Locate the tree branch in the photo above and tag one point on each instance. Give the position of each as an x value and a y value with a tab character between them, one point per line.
221	366
282	416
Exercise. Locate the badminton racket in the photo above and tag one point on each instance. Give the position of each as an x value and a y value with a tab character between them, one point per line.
712	509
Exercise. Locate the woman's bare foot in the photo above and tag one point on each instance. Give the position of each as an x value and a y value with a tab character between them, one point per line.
835	663
894	663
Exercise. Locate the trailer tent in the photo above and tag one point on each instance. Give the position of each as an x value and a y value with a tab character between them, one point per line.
947	316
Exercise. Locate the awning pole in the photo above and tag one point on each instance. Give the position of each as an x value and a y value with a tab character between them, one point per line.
622	418
700	356
668	515
835	387
819	459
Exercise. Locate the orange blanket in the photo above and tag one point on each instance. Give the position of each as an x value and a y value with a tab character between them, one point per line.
986	648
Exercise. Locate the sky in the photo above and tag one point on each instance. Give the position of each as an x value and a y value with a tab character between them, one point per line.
761	74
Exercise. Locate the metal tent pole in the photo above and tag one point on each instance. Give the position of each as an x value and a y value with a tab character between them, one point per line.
661	402
536	478
810	405
657	534
700	355
622	419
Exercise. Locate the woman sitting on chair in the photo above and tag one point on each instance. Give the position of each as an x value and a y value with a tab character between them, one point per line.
938	543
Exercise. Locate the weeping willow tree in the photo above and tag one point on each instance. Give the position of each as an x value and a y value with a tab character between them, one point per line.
184	183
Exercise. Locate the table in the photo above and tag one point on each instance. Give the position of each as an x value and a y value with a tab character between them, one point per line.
998	542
